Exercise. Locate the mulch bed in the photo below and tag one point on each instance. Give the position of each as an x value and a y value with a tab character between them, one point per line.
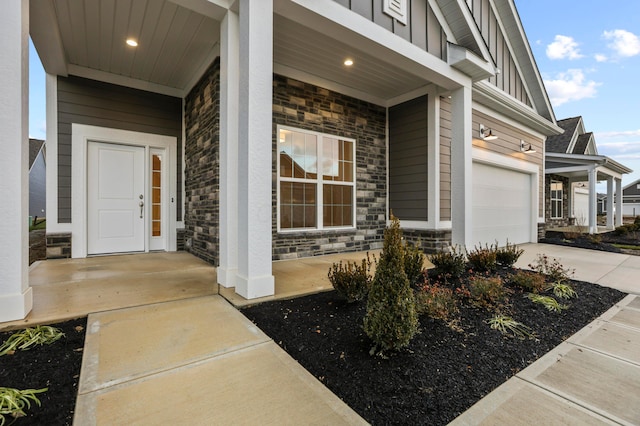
55	366
441	373
603	242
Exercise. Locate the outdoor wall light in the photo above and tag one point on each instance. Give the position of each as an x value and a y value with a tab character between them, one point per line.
526	149
486	134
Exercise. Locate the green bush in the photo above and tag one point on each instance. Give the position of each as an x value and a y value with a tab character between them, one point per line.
351	280
483	259
548	302
413	262
629	228
436	301
508	255
530	281
449	264
391	320
487	292
636	222
564	291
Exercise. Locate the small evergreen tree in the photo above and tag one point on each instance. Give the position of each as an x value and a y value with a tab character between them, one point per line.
391	320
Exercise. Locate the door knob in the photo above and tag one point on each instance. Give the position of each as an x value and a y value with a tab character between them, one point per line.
141	208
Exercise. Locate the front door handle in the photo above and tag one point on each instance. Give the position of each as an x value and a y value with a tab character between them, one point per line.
141	208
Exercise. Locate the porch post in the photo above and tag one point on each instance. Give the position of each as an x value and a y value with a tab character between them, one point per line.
619	206
255	152
610	202
229	87
593	201
16	299
461	164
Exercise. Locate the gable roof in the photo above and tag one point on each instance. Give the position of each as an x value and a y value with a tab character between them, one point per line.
560	143
34	149
581	144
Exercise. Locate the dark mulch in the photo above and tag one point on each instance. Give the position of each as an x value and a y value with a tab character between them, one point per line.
441	374
55	366
603	242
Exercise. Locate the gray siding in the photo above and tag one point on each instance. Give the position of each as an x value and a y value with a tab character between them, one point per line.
445	159
38	187
509	79
408	159
90	102
632	190
422	29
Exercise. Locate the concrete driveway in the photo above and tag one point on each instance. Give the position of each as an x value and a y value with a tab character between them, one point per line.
614	270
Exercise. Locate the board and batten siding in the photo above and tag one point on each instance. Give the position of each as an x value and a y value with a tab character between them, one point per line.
508	143
509	79
94	103
423	28
445	158
408	159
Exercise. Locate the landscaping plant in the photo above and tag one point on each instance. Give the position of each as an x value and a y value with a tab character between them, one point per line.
449	264
25	339
483	259
391	320
564	291
508	255
487	291
533	282
413	262
351	280
552	268
548	302
14	401
507	325
436	301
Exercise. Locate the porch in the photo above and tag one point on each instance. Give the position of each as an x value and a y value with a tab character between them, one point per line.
71	288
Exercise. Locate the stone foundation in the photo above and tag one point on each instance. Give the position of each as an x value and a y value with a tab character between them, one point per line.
429	240
180	239
59	246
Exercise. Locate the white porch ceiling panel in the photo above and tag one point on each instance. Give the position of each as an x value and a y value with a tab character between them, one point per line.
174	42
320	55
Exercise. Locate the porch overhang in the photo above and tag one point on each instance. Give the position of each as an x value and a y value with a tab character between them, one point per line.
577	167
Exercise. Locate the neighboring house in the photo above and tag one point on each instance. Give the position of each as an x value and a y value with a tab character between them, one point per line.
37	178
257	130
631	199
602	204
572	168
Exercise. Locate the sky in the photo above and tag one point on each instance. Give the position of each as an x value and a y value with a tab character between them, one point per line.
587	51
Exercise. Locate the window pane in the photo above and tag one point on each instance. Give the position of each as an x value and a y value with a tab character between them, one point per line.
285	216
297	193
155	228
338	208
285	192
330	162
311	157
297	216
286	165
347	151
297	205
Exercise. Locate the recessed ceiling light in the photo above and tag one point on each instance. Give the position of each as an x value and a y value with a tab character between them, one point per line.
131	42
348	62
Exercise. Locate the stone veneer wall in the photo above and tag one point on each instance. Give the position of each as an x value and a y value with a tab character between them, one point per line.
202	118
58	245
429	240
565	220
305	106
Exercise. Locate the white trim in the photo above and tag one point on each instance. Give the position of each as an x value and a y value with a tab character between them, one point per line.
551	199
505	162
81	134
409	96
204	66
433	158
319	181
121	80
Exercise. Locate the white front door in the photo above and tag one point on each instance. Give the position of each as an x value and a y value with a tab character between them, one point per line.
115	198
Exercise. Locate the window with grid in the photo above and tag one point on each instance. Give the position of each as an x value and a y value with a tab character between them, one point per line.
556	199
316	180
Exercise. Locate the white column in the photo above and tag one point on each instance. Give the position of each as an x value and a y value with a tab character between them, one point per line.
16	298
229	88
255	154
433	159
461	163
619	207
610	202
593	201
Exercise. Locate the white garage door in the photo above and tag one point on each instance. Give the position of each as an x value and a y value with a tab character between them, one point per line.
501	205
629	209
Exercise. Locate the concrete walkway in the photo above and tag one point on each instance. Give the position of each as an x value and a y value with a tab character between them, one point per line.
163	348
592	378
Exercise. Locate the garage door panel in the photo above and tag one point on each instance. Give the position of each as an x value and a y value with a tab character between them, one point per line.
501	205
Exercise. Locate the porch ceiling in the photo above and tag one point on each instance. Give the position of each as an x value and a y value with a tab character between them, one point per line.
179	39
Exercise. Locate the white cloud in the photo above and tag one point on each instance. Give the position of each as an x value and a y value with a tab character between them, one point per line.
601	58
563	47
619	134
624	43
570	86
